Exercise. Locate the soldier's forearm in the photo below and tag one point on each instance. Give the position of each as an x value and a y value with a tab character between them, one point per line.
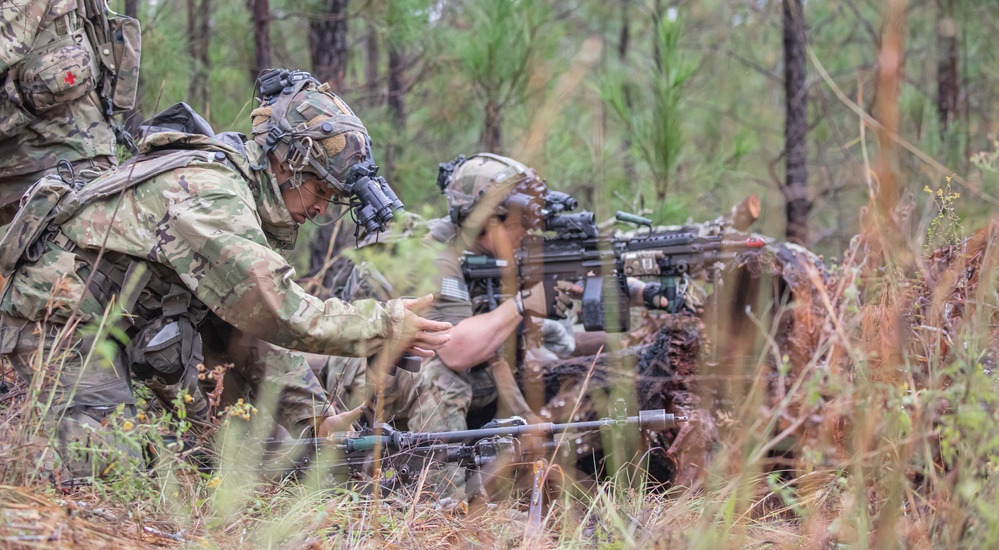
477	338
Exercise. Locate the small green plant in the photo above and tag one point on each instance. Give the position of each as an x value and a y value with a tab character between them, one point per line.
945	228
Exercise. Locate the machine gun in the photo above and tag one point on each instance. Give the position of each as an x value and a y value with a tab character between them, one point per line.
509	443
580	253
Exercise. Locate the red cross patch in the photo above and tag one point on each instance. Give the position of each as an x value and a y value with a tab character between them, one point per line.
70	78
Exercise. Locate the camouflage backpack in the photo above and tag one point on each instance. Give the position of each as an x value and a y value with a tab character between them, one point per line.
175	138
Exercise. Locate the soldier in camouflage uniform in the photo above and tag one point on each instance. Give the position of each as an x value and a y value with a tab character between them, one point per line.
65	68
494	201
190	257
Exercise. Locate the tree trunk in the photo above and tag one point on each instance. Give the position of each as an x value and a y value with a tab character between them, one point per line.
492	133
947	75
624	42
396	104
371	68
199	39
328	38
328	42
134	117
796	124
260	12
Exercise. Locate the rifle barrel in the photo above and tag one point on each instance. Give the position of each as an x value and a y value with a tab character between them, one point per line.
657	419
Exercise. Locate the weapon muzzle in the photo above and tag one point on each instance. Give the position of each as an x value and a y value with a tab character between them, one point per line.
658	419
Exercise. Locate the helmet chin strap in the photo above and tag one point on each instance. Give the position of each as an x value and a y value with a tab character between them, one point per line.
301	198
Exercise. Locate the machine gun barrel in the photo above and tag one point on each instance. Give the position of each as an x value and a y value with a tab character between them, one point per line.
392	441
657	419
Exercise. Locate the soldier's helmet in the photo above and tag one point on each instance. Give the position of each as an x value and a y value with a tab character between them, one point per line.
487	185
313	133
309	129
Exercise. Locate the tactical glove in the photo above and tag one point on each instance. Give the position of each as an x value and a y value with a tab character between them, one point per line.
651	297
647	293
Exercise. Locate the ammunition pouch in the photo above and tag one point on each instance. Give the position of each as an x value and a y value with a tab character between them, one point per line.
606	305
120	59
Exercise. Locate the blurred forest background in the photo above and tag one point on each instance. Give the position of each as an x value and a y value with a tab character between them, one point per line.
675	108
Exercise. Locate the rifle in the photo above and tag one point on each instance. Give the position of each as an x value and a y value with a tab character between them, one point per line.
501	443
580	253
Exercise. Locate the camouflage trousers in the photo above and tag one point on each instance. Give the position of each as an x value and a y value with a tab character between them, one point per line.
13	187
80	388
352	382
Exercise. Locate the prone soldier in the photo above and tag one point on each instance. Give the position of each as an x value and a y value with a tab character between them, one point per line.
183	243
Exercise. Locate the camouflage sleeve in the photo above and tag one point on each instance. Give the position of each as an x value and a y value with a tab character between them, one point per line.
213	239
21	21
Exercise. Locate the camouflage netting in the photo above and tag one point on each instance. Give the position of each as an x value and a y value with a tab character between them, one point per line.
952	288
670	362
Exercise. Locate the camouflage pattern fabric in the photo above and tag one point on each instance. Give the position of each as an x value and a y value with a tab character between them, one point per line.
204	223
50	109
210	225
442	397
319	133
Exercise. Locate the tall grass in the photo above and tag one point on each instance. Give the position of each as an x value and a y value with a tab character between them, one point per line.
885	435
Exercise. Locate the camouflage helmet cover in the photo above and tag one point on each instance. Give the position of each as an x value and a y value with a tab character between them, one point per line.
311	130
488	184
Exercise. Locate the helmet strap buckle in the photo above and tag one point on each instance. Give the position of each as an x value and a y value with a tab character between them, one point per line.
274	136
299	154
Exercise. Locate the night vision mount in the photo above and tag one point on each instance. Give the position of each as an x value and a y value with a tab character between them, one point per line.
272	82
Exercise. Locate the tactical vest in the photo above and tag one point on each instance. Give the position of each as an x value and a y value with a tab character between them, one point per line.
80	51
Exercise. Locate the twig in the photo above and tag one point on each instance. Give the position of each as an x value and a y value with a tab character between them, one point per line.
178	536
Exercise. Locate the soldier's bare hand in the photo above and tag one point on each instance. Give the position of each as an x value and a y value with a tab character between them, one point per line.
339	422
422	337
